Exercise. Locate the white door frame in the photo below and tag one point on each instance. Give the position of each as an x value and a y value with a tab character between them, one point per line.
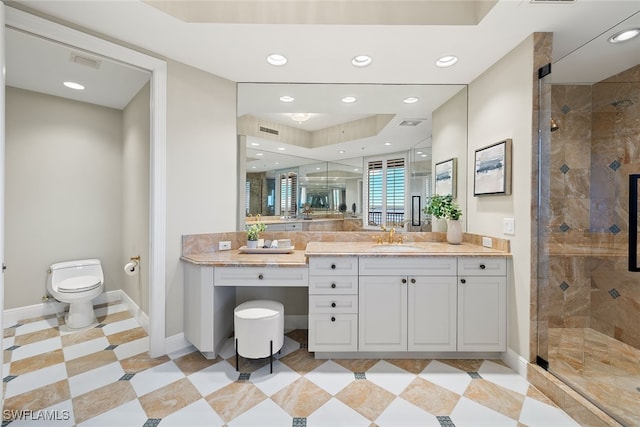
157	188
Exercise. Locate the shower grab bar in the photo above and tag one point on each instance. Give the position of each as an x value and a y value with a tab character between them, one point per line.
633	222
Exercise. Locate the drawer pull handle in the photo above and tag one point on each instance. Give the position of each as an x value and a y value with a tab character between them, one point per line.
482	266
260	276
333	319
333	266
333	285
333	304
413	280
404	280
463	281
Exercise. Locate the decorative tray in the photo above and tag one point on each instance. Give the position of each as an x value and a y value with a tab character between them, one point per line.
246	250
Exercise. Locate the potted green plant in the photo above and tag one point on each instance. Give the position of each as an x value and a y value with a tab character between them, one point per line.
444	207
253	234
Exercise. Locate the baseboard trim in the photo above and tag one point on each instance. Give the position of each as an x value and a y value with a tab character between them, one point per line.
52	306
516	362
296	321
176	343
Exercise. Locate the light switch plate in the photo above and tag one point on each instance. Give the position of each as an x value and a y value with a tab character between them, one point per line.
508	226
487	242
224	246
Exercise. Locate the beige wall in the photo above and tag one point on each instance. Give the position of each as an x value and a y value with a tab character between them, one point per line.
63	190
450	141
135	196
500	106
201	168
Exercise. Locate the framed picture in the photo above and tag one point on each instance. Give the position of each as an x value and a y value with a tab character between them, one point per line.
492	169
445	177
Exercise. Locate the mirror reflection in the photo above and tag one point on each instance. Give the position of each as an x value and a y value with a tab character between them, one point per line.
337	152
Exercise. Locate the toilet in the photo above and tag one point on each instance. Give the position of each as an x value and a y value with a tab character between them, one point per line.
77	283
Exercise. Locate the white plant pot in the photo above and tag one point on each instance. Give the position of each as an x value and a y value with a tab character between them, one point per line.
252	244
438	224
454	231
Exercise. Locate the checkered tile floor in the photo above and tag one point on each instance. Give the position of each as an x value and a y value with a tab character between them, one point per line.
103	376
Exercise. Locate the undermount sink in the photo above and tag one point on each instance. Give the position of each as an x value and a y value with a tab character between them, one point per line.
396	247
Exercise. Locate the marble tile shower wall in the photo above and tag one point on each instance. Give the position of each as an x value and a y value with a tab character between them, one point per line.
592	154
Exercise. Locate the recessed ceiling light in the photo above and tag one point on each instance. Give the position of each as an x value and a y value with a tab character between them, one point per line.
253	167
73	85
418	152
255	144
625	35
424	155
277	163
287	98
317	169
341	151
356	169
361	61
387	143
276	59
349	99
411	100
281	148
447	61
259	154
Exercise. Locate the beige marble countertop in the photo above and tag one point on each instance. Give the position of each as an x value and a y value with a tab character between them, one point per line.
405	249
234	258
298	258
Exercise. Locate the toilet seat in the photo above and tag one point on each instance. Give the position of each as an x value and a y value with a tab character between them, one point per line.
79	284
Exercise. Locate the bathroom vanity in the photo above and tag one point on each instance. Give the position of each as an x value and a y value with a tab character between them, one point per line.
404	300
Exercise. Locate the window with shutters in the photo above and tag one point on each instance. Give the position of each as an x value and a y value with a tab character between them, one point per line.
386	182
288	182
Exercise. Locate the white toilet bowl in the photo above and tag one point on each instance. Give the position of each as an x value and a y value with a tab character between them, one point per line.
77	283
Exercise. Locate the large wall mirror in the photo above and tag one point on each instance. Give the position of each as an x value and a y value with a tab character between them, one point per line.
357	151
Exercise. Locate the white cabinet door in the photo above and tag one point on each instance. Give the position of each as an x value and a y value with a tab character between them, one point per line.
482	313
382	302
432	304
333	332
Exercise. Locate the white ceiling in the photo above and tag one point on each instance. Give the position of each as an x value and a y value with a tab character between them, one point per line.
403	55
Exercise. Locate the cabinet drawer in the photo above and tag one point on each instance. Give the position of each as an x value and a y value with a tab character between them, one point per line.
333	285
333	332
333	304
408	265
482	266
260	276
339	266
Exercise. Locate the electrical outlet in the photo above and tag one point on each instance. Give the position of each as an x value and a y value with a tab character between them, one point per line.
487	242
508	226
224	246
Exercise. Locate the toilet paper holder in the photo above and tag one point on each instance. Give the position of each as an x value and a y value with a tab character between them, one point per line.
131	267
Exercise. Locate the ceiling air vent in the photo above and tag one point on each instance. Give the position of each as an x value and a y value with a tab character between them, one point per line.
414	122
268	130
83	60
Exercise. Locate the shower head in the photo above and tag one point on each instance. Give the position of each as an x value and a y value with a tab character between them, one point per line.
554	125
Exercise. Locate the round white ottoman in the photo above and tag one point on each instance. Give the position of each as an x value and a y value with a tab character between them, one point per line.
259	329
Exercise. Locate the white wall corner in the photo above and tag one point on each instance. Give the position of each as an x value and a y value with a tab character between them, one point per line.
516	362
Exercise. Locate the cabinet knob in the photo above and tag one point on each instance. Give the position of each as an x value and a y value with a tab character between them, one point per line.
333	266
482	266
413	280
260	276
333	304
463	281
333	319
404	280
333	285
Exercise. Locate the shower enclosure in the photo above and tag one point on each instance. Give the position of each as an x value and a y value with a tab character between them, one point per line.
588	293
